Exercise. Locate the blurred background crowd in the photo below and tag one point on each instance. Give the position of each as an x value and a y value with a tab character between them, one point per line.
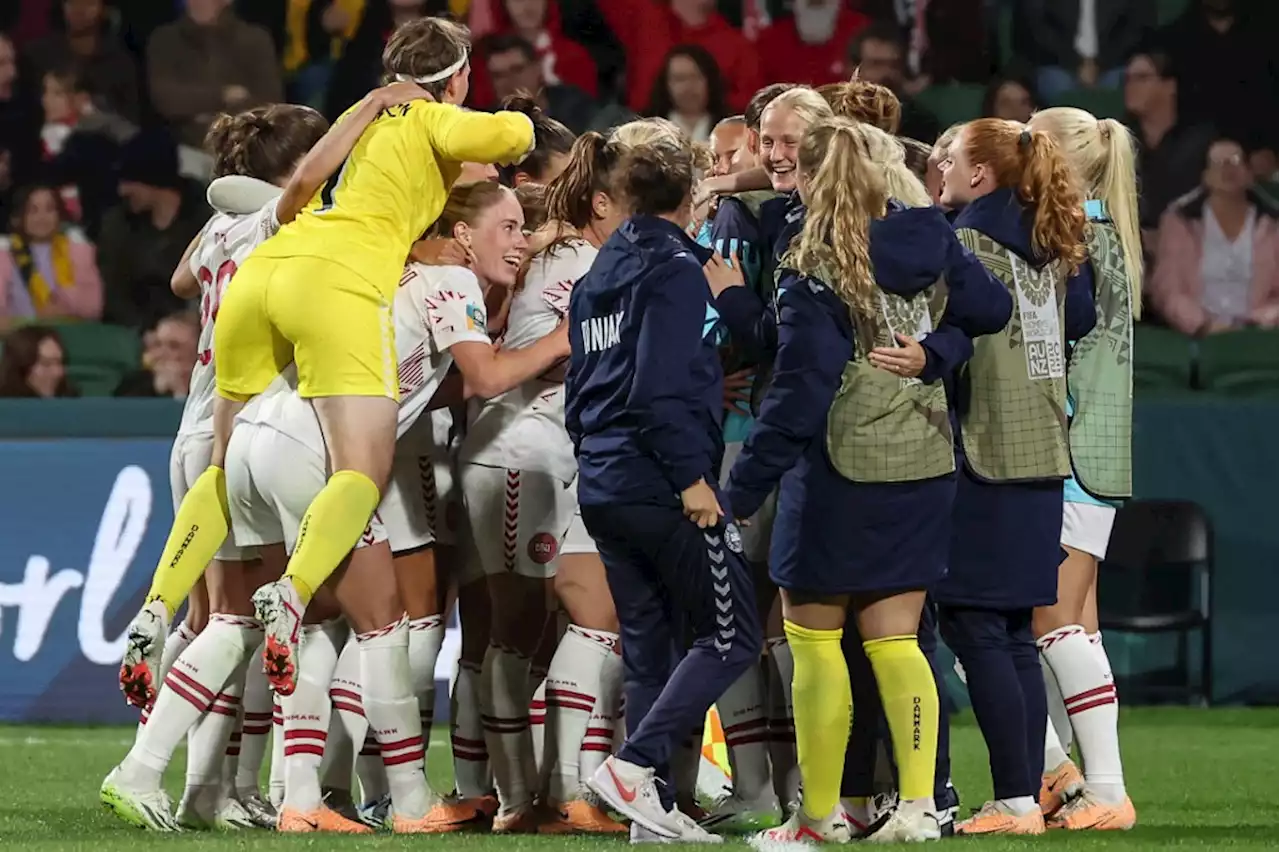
104	104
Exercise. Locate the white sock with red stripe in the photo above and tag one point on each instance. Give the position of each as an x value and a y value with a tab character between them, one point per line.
470	752
392	711
782	724
210	737
306	717
504	711
1057	734
1095	639
339	758
189	689
1090	699
606	716
255	727
746	734
275	781
538	716
572	692
426	636
346	691
178	640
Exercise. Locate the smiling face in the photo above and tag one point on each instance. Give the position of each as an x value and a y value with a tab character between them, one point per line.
498	240
40	217
781	131
48	370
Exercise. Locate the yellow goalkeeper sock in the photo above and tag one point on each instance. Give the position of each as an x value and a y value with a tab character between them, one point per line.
910	698
823	708
199	528
330	528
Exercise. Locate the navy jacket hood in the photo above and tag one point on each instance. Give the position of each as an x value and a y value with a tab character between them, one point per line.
1001	216
909	248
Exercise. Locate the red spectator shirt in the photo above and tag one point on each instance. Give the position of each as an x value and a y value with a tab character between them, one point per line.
783	56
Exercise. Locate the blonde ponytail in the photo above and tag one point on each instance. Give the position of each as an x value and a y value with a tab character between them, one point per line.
845	190
1118	188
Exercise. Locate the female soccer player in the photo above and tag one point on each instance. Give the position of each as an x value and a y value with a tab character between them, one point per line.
331	275
643	405
263	144
1100	405
1023	217
864	460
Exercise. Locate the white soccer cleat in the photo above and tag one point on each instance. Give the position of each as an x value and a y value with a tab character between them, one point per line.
732	814
691	832
632	791
799	828
259	809
143	650
150	809
375	814
279	608
907	824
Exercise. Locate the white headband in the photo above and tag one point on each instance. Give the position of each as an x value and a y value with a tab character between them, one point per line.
436	77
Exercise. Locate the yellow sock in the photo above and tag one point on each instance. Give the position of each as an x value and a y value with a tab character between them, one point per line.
823	708
330	528
199	528
910	698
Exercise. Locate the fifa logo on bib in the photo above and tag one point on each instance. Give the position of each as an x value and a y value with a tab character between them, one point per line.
1037	305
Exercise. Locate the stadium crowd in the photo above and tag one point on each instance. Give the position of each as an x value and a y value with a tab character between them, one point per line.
674	214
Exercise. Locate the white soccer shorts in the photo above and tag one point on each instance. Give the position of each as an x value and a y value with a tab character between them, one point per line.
408	508
1087	527
518	518
271	481
189	458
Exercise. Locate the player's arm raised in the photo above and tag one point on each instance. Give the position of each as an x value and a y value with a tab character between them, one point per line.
463	136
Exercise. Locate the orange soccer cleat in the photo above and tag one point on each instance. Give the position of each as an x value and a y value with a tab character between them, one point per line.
294	821
1088	812
444	818
992	819
580	817
1059	786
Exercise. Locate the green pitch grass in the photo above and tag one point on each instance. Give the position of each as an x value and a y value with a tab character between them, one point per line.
1199	780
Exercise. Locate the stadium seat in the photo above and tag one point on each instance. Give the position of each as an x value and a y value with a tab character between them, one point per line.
1241	363
1103	103
1168	11
99	345
1162	358
94	379
952	103
1157	579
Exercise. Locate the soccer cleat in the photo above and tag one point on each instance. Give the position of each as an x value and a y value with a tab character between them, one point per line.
734	815
279	608
340	800
294	821
864	819
1088	812
522	821
143	650
945	808
580	817
150	809
377	813
444	818
632	791
994	819
1059	786
799	828
204	807
258	809
907	824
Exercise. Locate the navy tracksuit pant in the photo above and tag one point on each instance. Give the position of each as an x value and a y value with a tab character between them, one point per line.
670	582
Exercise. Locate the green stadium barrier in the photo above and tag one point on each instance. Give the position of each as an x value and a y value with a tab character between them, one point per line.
1163	359
952	103
1241	363
1103	103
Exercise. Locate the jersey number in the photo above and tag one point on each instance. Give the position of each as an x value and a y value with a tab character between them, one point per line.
212	284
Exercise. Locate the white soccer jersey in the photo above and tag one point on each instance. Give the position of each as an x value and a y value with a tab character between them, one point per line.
523	429
224	244
435	308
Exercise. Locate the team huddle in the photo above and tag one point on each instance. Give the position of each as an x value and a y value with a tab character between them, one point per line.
760	423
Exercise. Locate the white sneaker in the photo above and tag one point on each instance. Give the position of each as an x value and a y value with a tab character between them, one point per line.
143	650
734	814
279	608
799	828
632	791
907	824
142	808
691	831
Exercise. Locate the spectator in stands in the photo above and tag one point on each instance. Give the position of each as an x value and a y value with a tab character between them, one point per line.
648	29
32	365
144	237
1224	54
316	33
46	272
562	61
209	61
1010	97
878	55
360	67
1171	151
512	65
86	43
19	116
1216	258
809	46
168	356
689	92
1079	45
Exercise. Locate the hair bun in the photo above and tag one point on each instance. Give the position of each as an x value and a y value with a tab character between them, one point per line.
522	101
